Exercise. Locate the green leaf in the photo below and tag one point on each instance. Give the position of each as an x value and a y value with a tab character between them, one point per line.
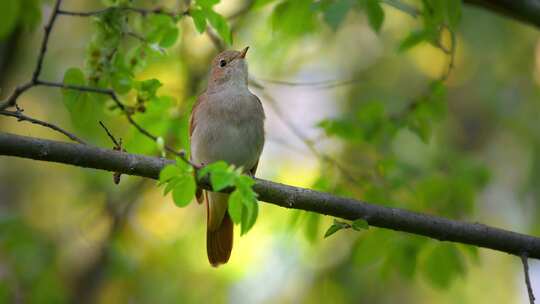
312	226
235	206
121	82
260	3
168	173
375	14
414	38
402	256
180	180
249	215
221	179
250	208
9	14
221	175
147	89
242	207
207	3
453	13
30	13
293	18
472	251
336	12
208	169
360	224
332	229
442	264
419	124
343	128
336	226
161	30
199	19
184	190
220	25
73	76
85	109
436	101
171	184
244	183
169	37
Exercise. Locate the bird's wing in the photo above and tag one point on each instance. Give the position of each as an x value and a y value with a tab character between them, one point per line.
192	125
253	170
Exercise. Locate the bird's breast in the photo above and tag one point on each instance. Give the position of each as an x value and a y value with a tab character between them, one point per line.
231	130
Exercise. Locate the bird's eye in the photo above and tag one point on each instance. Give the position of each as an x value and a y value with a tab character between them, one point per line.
222	63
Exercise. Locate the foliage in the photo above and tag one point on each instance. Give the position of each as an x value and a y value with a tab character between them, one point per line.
203	12
243	206
179	179
357	225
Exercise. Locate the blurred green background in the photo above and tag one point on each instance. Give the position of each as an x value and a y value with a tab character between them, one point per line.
468	149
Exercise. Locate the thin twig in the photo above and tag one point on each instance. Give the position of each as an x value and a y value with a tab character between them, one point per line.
322	84
45	42
117	147
142	11
524	261
113	139
21	117
451	54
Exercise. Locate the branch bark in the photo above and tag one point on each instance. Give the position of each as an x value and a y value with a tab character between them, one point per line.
527	11
283	195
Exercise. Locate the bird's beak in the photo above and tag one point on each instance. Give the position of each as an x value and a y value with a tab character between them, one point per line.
243	53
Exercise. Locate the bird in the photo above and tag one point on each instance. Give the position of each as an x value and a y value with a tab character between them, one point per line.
227	124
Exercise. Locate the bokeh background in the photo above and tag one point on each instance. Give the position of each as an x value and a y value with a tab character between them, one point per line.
69	234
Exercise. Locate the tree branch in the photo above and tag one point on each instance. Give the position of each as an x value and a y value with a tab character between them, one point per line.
527	11
283	195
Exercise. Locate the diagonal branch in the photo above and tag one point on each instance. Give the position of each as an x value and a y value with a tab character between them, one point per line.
283	195
525	262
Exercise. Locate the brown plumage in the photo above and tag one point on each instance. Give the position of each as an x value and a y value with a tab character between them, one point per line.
227	123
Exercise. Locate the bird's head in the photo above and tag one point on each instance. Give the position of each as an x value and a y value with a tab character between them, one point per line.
229	68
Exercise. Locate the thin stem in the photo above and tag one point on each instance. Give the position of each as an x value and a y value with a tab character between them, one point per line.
113	139
141	11
524	261
21	117
322	84
45	42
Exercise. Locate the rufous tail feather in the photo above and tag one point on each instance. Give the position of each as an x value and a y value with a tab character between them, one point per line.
219	231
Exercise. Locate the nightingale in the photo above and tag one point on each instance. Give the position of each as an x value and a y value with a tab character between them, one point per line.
226	123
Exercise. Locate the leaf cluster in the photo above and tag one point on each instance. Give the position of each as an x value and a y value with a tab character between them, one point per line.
243	206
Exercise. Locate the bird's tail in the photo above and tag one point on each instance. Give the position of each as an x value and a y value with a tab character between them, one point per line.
219	231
